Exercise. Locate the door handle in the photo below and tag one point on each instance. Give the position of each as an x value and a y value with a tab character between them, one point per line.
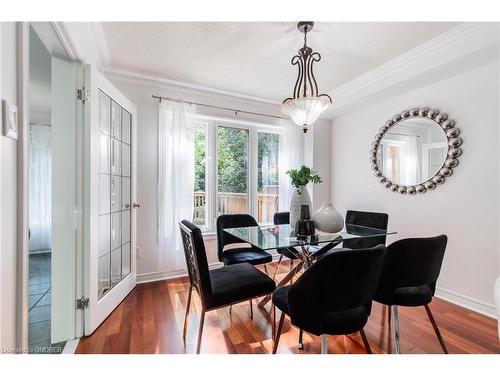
136	205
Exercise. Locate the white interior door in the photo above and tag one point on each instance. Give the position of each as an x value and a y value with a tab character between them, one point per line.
110	264
65	142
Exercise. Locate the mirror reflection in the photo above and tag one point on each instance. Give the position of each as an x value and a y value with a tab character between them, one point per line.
412	151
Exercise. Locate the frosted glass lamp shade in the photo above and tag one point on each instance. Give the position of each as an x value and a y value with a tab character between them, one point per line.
305	111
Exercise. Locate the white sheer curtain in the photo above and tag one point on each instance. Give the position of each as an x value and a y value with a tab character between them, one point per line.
291	155
410	165
175	177
40	188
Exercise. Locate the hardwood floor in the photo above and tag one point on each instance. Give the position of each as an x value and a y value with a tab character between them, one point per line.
150	320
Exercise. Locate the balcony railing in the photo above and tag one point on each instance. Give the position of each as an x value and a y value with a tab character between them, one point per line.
267	205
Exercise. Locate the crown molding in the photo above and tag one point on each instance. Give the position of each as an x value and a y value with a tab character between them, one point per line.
456	43
65	39
147	78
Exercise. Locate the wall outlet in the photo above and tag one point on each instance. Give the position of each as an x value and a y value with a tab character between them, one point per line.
137	252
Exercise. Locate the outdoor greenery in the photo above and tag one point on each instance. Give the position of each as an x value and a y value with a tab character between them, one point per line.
232	159
232	155
302	176
199	157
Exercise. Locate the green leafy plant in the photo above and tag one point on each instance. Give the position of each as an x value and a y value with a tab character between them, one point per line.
304	175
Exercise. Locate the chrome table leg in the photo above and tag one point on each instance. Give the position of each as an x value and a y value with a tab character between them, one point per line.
396	329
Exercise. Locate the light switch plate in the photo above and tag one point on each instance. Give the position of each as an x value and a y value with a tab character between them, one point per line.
9	118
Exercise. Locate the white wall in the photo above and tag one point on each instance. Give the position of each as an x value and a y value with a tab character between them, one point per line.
8	197
321	162
465	208
153	262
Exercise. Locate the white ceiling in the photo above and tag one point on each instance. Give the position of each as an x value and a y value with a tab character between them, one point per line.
253	58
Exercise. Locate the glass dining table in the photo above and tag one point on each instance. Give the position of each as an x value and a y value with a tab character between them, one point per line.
306	249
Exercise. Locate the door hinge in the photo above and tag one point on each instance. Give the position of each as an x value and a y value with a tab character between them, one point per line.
83	94
82	303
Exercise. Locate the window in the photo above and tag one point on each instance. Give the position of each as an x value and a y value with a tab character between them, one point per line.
236	171
232	170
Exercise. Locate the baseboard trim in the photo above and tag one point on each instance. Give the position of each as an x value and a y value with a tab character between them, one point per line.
469	303
159	276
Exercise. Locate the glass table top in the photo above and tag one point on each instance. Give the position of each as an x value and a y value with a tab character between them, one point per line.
283	236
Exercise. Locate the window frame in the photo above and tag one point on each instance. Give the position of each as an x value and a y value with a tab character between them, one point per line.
211	159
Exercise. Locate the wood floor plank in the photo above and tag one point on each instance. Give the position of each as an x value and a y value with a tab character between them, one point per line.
151	318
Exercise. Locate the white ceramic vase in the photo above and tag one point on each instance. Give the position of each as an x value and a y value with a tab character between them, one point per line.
300	197
328	219
497	302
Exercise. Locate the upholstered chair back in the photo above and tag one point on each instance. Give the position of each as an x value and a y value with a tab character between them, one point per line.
342	280
366	219
281	218
231	221
196	260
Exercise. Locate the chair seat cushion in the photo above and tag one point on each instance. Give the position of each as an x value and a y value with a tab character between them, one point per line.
245	255
280	299
413	296
238	282
405	296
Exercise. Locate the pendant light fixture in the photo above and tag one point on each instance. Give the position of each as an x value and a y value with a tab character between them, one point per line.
307	104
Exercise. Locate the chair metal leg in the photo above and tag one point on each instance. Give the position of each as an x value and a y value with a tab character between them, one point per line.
324	344
278	333
283	282
396	329
301	334
436	329
200	331
251	310
187	312
277	267
365	342
273	308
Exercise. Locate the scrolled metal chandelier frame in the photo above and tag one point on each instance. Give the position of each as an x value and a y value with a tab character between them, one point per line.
306	86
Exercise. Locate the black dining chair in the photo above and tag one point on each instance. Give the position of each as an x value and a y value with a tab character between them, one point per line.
333	296
409	276
366	219
252	255
219	287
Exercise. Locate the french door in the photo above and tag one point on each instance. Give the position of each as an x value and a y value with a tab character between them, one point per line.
110	262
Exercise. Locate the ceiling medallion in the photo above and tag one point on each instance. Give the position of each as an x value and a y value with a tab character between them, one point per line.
306	105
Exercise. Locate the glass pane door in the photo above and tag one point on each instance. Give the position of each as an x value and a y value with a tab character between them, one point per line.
232	170
114	194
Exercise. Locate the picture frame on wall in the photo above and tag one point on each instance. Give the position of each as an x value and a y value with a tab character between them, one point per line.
8	116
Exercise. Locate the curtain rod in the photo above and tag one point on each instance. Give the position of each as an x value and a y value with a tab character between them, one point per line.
406	135
236	111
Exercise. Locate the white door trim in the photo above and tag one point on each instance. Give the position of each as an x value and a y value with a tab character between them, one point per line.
22	34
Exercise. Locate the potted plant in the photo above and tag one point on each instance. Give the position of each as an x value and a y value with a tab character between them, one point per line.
300	178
